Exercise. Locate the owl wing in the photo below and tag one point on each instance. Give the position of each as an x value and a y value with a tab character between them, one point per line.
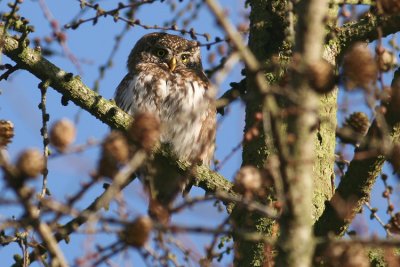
207	135
207	142
209	123
124	94
139	92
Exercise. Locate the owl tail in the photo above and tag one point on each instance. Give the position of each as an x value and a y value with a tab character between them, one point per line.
163	183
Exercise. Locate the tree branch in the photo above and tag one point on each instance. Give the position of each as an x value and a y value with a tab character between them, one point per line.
124	178
354	189
296	221
120	181
356	185
74	90
25	194
364	29
70	87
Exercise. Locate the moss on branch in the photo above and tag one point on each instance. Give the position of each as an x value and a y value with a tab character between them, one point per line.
353	191
365	29
72	88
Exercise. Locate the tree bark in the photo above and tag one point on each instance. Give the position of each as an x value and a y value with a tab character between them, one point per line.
267	40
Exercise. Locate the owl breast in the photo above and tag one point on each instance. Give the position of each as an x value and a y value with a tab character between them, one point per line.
182	103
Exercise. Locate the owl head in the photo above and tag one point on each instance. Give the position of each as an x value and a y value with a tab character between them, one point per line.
169	52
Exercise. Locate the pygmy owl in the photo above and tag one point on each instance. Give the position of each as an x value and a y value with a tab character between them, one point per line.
165	77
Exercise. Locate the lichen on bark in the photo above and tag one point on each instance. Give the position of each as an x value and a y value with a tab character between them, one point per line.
267	40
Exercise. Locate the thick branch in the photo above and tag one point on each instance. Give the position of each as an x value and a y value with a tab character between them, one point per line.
353	190
365	29
296	221
356	185
74	90
70	87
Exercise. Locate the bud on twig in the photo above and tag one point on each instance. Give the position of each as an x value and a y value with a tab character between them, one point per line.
145	130
136	233
359	67
248	181
62	134
358	122
30	163
354	128
116	146
321	76
6	132
386	61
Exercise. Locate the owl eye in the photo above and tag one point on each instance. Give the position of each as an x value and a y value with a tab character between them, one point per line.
185	58
161	52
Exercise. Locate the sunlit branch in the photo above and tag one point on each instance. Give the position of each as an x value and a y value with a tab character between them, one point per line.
74	90
24	195
364	29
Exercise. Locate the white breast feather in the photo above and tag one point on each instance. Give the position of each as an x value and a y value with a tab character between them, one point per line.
182	123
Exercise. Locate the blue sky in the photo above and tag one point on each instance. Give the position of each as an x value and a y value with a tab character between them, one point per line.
93	44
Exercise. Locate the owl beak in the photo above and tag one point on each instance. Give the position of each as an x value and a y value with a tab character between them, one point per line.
172	64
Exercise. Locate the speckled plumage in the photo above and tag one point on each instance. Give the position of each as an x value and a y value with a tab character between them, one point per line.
179	95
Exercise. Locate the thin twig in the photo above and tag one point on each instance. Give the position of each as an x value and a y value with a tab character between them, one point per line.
59	34
121	180
45	136
378	219
50	243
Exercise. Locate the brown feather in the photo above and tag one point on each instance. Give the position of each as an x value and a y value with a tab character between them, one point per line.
182	99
